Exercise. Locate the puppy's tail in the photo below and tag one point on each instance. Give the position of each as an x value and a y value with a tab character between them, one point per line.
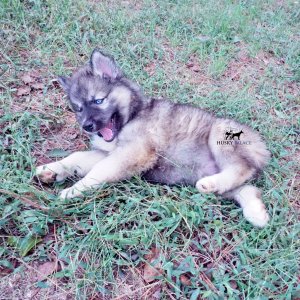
256	152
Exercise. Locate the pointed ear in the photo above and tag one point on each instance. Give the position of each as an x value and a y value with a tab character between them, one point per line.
65	82
104	65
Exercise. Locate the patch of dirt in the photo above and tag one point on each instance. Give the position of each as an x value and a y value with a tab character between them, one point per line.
153	267
195	72
132	5
243	67
131	286
192	72
23	285
243	70
36	93
64	135
246	70
150	68
58	127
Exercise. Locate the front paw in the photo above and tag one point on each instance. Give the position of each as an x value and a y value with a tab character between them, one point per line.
207	185
69	193
51	172
78	189
44	174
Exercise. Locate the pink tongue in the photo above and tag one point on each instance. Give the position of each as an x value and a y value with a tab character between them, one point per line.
107	132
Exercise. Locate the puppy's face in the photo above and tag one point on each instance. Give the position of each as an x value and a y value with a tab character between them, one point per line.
98	97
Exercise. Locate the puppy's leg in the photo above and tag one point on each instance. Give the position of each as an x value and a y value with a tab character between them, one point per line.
237	162
119	165
249	198
230	177
79	163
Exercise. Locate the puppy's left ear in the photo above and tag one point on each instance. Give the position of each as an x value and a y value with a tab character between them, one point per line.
65	82
104	65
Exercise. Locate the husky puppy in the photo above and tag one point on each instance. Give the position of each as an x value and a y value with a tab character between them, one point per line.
162	141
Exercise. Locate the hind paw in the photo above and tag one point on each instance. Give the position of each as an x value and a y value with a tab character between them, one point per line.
256	214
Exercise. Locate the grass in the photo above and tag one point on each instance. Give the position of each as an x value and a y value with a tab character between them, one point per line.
246	55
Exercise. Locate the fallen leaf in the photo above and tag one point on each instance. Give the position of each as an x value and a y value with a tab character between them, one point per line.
203	38
37	86
23	90
26	78
266	61
193	64
23	245
154	253
233	284
236	39
73	136
190	64
55	83
157	294
24	54
185	280
35	74
46	269
150	273
150	68
196	68
153	266
58	153
50	236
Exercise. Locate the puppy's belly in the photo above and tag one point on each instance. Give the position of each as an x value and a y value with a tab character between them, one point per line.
183	175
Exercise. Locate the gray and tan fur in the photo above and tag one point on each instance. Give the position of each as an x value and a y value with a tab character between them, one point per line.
162	141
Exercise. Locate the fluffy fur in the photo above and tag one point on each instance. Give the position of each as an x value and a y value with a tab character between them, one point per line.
162	141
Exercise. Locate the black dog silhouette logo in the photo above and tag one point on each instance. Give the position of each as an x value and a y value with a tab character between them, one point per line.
234	136
230	135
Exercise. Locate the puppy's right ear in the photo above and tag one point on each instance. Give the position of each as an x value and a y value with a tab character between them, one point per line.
65	82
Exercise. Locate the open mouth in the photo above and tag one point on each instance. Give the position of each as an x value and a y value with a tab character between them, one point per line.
109	131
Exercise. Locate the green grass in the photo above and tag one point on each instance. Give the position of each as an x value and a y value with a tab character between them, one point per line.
249	58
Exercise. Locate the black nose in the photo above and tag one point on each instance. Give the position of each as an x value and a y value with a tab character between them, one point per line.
88	127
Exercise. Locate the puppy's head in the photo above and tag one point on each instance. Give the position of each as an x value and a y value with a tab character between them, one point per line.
101	97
